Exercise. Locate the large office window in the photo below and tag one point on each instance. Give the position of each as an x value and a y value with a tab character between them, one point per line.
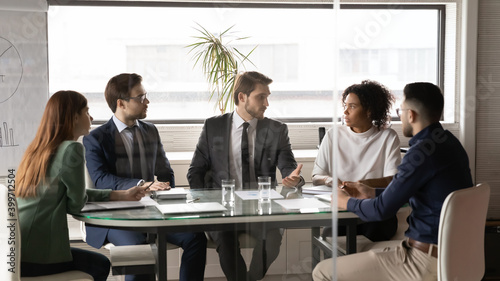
89	45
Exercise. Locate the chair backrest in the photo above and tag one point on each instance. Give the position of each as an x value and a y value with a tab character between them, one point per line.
88	181
10	247
461	234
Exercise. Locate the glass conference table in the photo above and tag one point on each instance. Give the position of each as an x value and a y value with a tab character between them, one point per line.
244	214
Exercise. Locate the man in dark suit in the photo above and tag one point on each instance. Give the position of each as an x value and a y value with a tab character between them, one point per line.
125	152
219	156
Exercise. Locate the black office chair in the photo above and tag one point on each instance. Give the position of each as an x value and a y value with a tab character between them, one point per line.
321	132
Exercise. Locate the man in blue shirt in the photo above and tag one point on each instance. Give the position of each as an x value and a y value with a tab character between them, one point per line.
435	165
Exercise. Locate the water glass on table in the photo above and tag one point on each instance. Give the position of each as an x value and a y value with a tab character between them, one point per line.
228	192
264	183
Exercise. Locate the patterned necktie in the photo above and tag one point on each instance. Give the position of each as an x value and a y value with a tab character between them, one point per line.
136	155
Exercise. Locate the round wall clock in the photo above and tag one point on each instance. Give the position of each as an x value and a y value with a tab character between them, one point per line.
11	69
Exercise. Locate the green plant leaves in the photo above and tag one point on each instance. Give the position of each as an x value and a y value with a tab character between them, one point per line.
219	62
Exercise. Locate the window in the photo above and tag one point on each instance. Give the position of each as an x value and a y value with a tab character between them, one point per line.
89	45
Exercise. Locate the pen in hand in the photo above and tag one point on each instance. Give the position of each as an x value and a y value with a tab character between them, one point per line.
147	188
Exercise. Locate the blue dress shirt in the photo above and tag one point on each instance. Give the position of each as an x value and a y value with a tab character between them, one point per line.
435	165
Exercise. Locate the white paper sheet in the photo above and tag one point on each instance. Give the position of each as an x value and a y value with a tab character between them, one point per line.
324	197
254	194
191	208
112	205
303	203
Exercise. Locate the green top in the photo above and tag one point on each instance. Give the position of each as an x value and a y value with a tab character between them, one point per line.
43	219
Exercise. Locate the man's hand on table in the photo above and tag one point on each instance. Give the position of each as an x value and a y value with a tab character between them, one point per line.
132	194
342	198
358	190
158	185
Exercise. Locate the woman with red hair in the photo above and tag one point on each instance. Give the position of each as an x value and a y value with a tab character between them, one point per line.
50	184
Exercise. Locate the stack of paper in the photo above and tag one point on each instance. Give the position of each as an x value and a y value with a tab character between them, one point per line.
318	189
174	193
191	208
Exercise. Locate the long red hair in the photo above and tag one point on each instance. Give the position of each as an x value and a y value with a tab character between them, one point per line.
56	126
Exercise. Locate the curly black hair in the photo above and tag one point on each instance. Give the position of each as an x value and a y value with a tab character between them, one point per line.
374	97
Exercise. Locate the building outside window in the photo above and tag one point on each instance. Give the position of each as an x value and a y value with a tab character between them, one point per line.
295	47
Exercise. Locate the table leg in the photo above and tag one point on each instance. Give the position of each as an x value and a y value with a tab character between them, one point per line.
161	256
316	251
351	232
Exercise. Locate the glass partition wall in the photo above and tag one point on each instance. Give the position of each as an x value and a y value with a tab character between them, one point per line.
312	52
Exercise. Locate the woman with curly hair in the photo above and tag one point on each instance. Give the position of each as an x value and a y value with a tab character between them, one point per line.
368	150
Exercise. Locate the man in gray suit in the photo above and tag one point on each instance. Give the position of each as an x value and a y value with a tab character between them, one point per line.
244	145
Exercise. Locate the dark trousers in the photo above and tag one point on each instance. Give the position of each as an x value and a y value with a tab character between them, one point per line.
232	263
193	258
89	262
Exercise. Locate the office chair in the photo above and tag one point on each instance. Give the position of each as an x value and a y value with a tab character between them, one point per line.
461	234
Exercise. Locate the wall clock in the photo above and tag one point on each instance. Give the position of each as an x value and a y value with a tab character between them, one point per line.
11	69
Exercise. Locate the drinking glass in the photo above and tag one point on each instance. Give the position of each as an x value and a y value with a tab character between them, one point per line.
228	192
264	183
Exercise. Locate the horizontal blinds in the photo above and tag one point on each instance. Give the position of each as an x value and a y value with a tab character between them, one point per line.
488	102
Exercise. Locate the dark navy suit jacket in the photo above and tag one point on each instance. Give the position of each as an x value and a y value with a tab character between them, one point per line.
109	167
272	149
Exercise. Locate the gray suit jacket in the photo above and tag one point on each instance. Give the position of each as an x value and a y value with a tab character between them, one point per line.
210	163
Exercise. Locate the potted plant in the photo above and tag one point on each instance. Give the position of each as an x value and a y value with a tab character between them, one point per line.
219	61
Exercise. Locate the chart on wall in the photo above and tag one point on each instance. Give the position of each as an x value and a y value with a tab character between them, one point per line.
23	82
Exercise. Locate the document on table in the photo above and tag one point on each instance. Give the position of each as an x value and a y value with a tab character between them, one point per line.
324	197
112	205
173	193
317	189
204	207
302	204
254	194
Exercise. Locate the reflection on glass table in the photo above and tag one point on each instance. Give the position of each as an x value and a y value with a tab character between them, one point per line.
288	210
